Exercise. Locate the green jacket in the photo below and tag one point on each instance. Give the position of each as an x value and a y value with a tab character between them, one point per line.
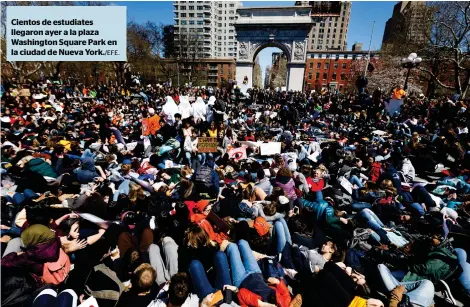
440	264
41	167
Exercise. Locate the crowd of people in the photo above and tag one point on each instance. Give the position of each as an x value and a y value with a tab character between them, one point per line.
302	198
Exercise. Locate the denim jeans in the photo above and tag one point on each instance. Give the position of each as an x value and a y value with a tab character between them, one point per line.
373	222
421	195
281	235
359	206
416	209
420	292
242	261
463	261
318	196
123	188
201	284
355	180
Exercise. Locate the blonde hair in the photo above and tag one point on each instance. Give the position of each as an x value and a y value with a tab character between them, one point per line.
145	276
196	237
136	192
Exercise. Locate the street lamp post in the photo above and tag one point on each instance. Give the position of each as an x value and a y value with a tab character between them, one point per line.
410	62
178	69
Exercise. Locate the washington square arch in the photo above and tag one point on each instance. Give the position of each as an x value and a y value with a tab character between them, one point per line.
286	28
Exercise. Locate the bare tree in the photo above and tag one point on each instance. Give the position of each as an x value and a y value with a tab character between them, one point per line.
189	54
446	55
279	73
257	78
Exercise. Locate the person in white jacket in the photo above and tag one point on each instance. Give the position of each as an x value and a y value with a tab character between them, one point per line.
170	109
199	110
184	107
408	170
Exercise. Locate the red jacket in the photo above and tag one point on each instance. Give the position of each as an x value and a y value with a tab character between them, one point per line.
247	298
375	171
315	186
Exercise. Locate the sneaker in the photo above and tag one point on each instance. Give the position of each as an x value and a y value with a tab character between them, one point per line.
447	295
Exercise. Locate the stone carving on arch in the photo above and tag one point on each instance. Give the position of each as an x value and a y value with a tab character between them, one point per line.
243	52
299	51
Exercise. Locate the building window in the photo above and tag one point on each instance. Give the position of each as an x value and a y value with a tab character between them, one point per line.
346	56
333	77
183	22
344	65
200	8
191	22
318	65
200	30
232	5
311	65
317	76
200	22
191	15
230	37
336	65
327	65
231	12
310	76
325	76
342	77
320	56
230	31
183	14
220	5
191	8
183	8
319	47
200	15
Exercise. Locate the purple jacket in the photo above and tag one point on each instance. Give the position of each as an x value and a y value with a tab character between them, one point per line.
288	187
34	257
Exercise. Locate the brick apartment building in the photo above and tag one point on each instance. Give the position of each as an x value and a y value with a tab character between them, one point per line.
330	69
210	72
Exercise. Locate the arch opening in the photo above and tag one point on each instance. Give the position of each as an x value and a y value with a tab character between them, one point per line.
270	68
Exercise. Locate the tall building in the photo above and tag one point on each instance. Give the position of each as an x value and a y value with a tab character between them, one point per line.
168	41
330	24
204	29
409	23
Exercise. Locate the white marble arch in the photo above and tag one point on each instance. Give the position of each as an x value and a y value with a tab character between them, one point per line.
283	27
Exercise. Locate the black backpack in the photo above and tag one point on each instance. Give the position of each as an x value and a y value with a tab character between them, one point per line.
203	177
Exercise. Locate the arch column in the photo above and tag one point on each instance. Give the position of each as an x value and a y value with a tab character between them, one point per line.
295	76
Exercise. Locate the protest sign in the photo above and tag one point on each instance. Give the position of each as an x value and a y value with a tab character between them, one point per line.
271	148
394	106
205	144
237	153
24	92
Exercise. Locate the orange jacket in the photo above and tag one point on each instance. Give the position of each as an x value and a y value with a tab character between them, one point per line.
247	298
200	219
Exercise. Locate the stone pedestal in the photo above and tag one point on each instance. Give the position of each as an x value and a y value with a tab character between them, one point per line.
295	76
244	69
